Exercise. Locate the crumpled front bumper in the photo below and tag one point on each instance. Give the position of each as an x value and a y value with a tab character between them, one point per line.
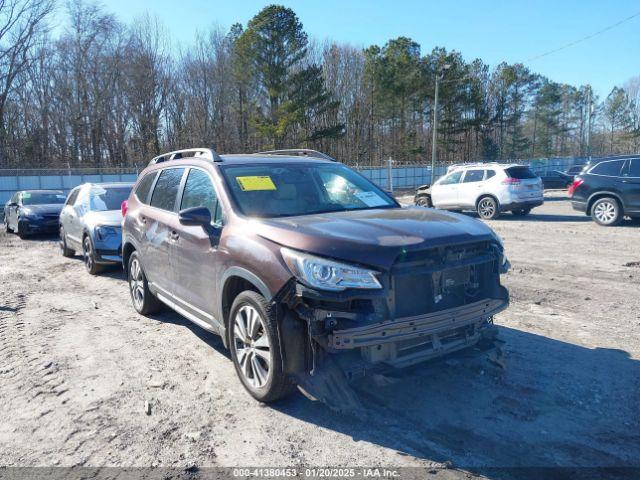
407	341
415	327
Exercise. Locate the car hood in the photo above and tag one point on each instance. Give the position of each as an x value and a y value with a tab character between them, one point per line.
43	209
372	237
111	218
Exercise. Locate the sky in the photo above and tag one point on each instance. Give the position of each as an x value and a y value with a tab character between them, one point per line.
493	30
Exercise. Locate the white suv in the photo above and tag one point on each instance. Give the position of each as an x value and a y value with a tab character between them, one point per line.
488	188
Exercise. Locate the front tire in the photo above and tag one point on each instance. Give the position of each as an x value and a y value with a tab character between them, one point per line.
143	300
89	256
606	212
20	232
424	201
255	348
488	208
66	251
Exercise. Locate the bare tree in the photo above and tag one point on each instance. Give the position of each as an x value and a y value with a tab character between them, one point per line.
21	21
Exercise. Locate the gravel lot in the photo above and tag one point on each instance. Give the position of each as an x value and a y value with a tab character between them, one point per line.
78	364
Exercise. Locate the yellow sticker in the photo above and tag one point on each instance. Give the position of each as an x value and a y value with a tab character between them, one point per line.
250	184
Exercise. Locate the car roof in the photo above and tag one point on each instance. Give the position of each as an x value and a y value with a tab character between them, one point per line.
468	166
595	161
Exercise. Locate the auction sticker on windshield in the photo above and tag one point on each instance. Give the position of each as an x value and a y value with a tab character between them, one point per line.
250	184
371	199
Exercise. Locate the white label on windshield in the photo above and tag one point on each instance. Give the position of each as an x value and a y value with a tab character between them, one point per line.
371	199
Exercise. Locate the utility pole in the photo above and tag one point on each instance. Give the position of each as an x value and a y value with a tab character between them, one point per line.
439	76
435	132
589	123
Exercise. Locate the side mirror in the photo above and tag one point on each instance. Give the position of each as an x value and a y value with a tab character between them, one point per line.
195	216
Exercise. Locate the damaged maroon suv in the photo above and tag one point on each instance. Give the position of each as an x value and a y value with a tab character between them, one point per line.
310	273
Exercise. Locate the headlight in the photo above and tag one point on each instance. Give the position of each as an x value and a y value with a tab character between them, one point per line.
325	274
30	216
103	232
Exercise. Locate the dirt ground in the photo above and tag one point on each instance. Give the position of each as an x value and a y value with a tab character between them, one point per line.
77	365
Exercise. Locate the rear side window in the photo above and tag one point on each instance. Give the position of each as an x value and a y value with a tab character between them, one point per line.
634	167
142	191
473	176
166	189
490	173
608	169
199	192
521	173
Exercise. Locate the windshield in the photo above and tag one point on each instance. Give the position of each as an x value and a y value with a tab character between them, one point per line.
277	190
42	198
107	198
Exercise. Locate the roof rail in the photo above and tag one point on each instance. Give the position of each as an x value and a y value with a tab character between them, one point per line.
299	152
472	164
207	153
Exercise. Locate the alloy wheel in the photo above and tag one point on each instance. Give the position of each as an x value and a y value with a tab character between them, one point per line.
252	346
605	212
487	208
136	283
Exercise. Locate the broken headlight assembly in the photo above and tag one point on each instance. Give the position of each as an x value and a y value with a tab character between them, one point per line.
325	274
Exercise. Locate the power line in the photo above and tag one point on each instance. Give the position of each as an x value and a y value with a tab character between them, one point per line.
563	47
583	39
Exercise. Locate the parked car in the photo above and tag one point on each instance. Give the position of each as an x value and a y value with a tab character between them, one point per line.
33	211
555	179
302	264
90	223
488	188
608	190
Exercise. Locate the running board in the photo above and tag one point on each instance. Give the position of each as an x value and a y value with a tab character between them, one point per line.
185	313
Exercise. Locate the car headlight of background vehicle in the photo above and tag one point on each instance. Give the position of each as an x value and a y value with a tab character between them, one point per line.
103	232
325	274
29	215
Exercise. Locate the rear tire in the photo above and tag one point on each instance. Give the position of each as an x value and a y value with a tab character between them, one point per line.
143	300
488	208
255	348
6	226
606	211
66	251
523	212
89	256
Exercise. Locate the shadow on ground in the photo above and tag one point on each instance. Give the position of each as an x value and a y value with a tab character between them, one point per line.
554	404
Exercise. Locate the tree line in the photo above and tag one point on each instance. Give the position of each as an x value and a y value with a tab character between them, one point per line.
103	93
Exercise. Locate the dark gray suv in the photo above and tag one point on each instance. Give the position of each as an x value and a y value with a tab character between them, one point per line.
311	274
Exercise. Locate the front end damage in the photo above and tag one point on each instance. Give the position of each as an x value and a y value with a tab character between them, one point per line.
433	302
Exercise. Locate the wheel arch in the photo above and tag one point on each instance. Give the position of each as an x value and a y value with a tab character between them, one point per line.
234	281
602	194
127	249
483	195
